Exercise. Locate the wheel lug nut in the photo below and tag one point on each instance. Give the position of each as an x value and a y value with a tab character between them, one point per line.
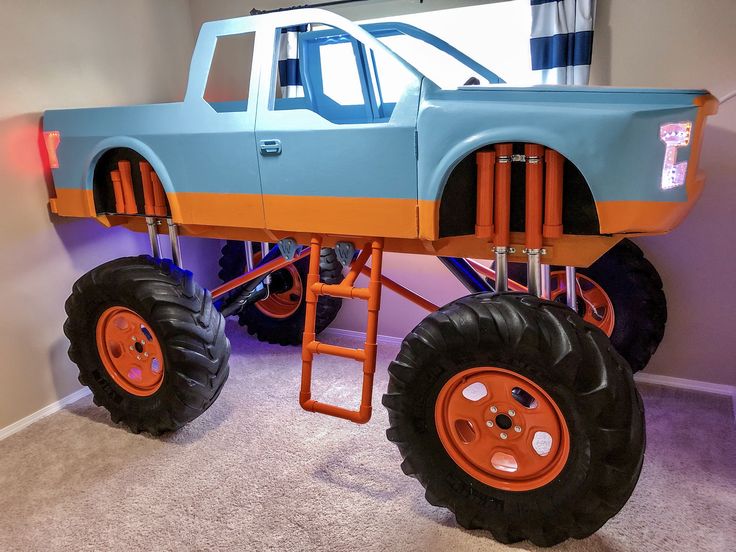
132	337
143	341
517	429
132	348
138	357
512	413
494	409
504	436
489	423
145	355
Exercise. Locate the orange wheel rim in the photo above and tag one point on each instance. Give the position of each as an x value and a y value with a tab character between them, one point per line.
130	351
594	305
286	303
502	429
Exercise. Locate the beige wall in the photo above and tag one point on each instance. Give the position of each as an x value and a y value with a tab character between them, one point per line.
75	53
686	44
673	43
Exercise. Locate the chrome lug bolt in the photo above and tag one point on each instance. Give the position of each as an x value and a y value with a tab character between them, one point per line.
132	348
512	413
143	341
138	357
504	436
132	337
489	423
517	429
145	354
494	409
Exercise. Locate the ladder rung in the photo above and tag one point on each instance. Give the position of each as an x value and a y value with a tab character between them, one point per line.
358	416
320	348
337	290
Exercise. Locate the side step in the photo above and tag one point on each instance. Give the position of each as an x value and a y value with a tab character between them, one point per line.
367	355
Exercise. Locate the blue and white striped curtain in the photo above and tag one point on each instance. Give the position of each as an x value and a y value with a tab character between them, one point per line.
562	40
289	75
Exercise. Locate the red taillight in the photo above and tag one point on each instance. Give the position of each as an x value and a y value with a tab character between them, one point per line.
52	139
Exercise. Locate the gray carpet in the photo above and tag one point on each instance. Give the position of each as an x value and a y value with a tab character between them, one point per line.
257	473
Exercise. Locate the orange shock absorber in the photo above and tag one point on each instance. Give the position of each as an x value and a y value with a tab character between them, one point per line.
127	180
484	204
148	201
502	213
553	194
534	210
159	198
117	187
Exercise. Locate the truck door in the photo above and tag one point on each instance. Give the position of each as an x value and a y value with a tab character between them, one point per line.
218	179
340	157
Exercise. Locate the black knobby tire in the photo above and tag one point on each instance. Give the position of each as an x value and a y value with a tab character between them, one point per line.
635	290
182	316
289	330
573	363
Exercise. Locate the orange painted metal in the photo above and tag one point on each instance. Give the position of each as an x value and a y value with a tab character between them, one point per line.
490	273
148	201
406	293
117	187
130	351
159	197
502	201
594	304
340	290
318	347
484	203
127	181
352	216
284	304
473	433
553	194
534	195
367	355
276	264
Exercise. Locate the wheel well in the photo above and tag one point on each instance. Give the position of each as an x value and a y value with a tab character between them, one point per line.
458	204
104	194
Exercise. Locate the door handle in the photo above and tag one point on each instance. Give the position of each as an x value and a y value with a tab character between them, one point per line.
271	146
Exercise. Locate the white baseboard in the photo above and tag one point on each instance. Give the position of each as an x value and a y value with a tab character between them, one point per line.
641	377
690	385
15	427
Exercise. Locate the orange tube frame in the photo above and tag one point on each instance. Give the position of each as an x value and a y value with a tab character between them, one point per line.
502	202
148	201
159	197
534	195
117	186
367	355
484	204
127	182
404	292
553	195
276	264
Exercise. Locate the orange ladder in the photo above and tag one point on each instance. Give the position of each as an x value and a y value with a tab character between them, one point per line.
367	355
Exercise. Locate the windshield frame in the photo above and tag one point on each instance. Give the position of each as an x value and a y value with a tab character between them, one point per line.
393	28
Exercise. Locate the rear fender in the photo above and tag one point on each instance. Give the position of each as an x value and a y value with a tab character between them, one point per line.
144	151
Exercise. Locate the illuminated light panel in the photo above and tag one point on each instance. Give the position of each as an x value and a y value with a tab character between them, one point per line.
674	135
52	140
